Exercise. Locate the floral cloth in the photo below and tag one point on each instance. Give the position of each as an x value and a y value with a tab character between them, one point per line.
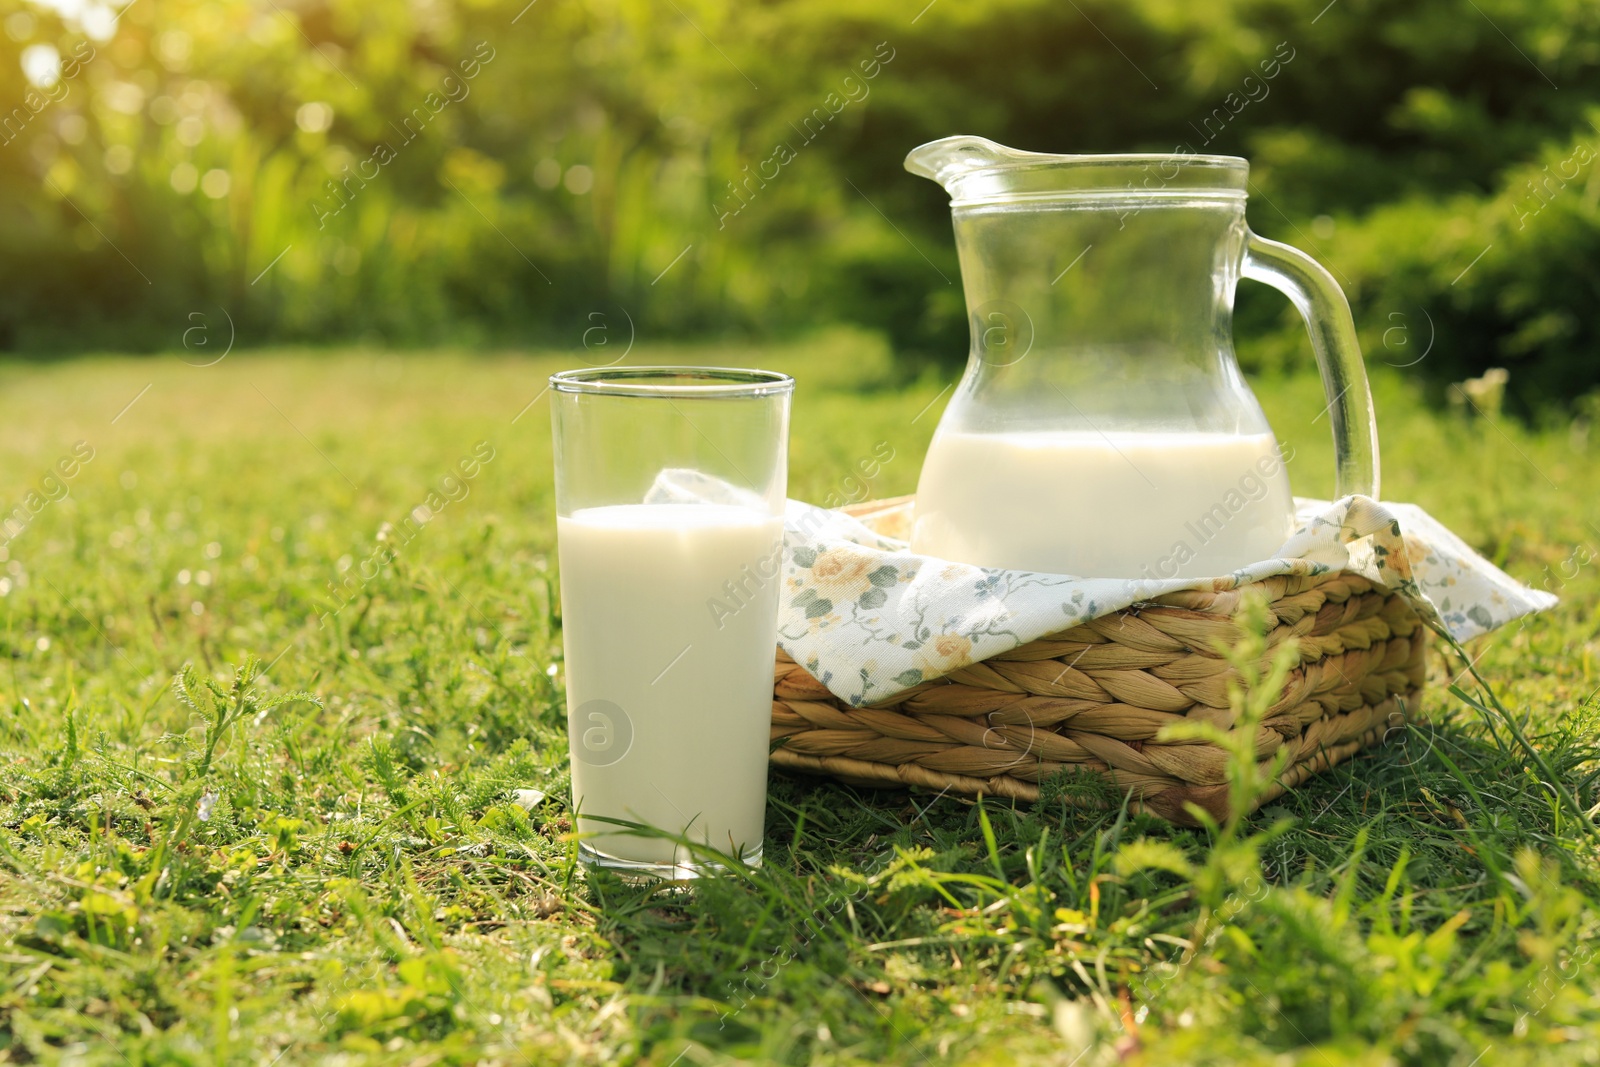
869	618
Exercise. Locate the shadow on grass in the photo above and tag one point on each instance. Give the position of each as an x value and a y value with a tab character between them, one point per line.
875	910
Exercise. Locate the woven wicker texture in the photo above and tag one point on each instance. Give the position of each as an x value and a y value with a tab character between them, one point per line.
1093	698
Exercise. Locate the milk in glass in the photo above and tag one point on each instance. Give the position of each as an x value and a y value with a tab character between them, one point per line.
1103	505
669	613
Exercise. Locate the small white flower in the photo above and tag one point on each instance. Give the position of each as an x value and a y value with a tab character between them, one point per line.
208	800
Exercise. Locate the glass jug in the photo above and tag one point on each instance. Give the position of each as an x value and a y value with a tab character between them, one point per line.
1102	427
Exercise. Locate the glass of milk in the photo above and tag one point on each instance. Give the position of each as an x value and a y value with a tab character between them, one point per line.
670	485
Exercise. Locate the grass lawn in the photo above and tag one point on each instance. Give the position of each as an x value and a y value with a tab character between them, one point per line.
196	872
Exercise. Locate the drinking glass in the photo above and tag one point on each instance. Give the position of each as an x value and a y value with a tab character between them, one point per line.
670	485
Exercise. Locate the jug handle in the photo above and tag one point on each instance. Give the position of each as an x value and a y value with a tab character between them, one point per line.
1322	305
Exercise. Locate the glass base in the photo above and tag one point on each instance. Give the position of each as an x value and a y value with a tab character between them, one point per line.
657	871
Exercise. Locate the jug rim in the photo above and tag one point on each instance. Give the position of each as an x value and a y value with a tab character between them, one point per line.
976	169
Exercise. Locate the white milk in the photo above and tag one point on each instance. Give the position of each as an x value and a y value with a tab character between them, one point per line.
670	615
1116	505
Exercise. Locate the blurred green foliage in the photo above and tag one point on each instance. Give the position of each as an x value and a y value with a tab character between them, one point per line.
499	171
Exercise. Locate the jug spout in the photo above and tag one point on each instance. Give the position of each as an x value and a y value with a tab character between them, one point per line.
951	158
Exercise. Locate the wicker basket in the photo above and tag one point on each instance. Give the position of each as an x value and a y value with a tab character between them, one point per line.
1092	698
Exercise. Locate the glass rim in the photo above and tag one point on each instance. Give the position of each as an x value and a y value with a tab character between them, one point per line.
672	381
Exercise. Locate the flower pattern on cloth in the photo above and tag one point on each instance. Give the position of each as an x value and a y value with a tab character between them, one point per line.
869	618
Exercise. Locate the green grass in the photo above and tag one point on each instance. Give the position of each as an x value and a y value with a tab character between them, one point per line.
201	873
